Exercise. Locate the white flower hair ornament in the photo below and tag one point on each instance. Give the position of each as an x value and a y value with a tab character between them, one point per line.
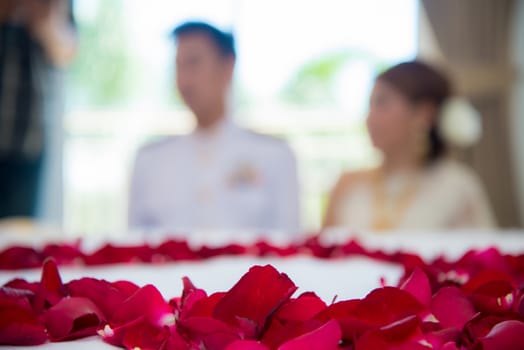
460	123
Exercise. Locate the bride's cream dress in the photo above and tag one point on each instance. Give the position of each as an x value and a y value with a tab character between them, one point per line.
445	195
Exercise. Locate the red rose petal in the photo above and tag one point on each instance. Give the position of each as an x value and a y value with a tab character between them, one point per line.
72	318
110	254
402	334
479	326
148	302
495	297
386	305
326	337
64	253
21	297
209	332
486	259
280	332
20	258
18	325
449	346
507	335
443	336
303	308
451	307
177	250
125	287
51	289
115	335
190	296
417	285
374	340
22	284
100	292
401	330
51	279
338	310
255	296
246	345
487	276
144	336
520	306
203	307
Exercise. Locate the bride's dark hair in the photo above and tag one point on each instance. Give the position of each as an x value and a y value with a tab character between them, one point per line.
421	83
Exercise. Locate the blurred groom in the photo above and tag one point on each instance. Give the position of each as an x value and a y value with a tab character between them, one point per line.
220	176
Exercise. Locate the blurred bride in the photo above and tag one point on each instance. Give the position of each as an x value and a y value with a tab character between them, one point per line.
416	186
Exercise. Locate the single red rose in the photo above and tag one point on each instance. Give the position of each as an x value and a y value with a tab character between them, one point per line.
255	297
452	308
417	285
18	325
72	318
326	337
507	335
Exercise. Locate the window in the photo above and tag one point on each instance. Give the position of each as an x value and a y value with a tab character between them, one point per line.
304	72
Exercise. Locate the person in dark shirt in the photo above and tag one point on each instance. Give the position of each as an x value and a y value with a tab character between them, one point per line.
37	38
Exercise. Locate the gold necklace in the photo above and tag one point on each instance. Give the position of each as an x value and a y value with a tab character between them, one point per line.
384	219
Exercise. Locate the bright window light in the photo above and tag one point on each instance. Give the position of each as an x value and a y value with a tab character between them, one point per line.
304	72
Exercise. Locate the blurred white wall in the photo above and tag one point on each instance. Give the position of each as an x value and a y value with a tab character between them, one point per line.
517	126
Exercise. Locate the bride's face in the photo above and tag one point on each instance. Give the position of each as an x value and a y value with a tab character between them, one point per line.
392	122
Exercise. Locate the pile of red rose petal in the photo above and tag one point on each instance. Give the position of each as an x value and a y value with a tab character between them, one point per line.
476	302
20	257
